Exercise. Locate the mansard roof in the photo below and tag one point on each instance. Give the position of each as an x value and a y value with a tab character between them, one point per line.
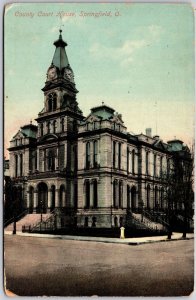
103	111
26	131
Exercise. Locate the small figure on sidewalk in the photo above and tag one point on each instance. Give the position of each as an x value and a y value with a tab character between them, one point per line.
122	232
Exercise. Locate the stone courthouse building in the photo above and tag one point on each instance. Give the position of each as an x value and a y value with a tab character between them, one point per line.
88	171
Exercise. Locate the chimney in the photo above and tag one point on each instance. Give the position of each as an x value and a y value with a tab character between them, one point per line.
149	132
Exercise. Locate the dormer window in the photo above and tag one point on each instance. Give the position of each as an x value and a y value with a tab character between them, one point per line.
52	102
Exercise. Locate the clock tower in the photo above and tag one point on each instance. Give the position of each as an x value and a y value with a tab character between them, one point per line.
57	137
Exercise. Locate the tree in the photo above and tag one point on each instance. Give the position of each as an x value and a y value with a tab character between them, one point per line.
179	193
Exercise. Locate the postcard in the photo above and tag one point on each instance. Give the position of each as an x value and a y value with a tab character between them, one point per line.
98	149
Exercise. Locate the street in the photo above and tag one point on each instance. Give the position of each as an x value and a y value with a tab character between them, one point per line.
54	267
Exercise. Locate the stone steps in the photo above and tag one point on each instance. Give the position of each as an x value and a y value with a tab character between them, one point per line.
28	220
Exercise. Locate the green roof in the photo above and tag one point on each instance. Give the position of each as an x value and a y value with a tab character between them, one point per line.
29	130
60	59
104	112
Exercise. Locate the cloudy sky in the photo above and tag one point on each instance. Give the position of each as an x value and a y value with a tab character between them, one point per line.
139	59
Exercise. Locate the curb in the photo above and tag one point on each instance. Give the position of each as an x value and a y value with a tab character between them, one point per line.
109	241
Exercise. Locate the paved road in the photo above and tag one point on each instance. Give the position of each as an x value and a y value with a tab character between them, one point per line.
36	267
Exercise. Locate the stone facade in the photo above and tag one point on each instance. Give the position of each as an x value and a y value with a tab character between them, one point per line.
89	170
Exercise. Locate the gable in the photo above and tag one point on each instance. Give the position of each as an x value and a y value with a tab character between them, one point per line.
19	135
159	144
92	118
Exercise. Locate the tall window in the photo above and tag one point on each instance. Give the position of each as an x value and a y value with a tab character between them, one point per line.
161	166
155	165
148	197
115	193
48	127
95	146
62	125
54	126
156	197
41	129
88	155
119	155
133	161
87	191
114	154
51	160
120	194
95	193
52	102
127	159
147	163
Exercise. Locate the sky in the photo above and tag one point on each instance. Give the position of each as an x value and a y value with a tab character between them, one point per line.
137	58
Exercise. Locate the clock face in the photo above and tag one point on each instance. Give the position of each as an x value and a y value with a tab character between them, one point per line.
69	75
52	73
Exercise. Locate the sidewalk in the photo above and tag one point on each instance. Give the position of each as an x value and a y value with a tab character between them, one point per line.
127	241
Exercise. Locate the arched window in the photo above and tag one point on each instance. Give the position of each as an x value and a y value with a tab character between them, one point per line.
133	161
115	204
121	221
87	194
94	220
147	163
31	199
95	193
52	197
16	165
52	102
86	222
95	146
62	125
120	194
148	197
133	198
115	221
54	126
88	155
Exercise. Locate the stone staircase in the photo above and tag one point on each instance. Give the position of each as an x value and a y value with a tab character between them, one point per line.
148	223
27	220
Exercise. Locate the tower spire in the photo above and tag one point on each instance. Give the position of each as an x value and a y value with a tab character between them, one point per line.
60	59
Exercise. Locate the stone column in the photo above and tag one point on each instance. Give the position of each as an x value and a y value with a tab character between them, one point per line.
18	167
57	198
49	198
35	201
